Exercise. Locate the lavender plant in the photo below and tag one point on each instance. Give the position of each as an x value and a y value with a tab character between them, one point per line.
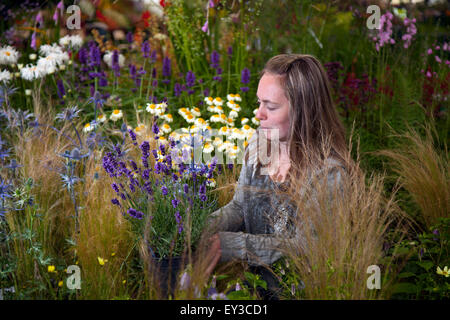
169	201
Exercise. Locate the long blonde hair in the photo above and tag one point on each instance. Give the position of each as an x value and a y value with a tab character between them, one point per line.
314	119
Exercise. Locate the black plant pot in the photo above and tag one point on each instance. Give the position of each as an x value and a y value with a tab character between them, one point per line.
166	272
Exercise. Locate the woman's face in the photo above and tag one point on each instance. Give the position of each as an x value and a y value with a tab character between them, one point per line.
273	111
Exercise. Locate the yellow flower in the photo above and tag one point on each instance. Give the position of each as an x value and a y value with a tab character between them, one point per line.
445	272
124	281
102	261
113	254
60	283
51	268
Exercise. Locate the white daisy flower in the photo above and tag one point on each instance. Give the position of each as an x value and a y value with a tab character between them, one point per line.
231	104
237	97
162	106
209	101
211	182
108	59
237	134
195	111
217	142
208	148
167	117
230	97
28	92
47	49
88	128
233	114
201	123
255	121
74	41
165	128
116	115
140	129
255	111
5	76
8	55
189	118
32	72
151	108
33	56
244	121
218	101
224	131
101	118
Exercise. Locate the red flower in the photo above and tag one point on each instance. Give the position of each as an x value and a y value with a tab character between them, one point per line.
162	3
145	16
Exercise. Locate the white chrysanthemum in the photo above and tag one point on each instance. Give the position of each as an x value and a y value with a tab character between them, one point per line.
151	108
167	117
246	129
116	115
230	97
208	148
209	101
225	131
244	121
5	76
255	111
8	55
32	72
211	182
236	108
47	49
232	152
189	117
217	142
233	114
166	128
255	121
52	61
218	101
195	111
237	97
201	123
101	118
108	59
237	134
225	146
74	41
231	104
162	106
140	129
88	128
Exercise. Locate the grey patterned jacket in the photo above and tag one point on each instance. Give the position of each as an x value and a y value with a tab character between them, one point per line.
254	223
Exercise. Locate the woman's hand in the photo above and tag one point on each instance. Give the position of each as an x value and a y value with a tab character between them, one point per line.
214	253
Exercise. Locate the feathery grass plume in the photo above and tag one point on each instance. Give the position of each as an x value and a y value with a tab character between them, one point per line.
104	243
339	228
39	155
49	223
423	171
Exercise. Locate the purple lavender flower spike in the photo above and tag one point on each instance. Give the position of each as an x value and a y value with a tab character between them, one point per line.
145	49
215	59
164	190
167	68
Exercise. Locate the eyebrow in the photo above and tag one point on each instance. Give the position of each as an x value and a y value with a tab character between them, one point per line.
268	101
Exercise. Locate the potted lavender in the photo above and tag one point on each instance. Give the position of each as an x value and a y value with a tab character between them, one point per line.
166	198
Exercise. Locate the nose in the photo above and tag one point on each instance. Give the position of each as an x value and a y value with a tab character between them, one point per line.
260	114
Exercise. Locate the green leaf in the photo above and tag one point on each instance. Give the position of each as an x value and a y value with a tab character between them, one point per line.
427	265
238	295
406	275
405	287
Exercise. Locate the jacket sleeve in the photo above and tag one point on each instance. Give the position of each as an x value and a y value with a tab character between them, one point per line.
231	216
265	249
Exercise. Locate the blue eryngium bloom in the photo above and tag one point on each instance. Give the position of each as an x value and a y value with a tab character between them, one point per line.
68	114
69	181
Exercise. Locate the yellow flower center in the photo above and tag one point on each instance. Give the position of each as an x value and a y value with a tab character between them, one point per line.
116	111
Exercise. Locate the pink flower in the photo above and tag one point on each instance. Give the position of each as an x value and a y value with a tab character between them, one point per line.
428	74
33	41
430	51
438	60
205	27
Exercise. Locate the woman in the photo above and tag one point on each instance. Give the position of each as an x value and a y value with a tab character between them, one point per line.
296	112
